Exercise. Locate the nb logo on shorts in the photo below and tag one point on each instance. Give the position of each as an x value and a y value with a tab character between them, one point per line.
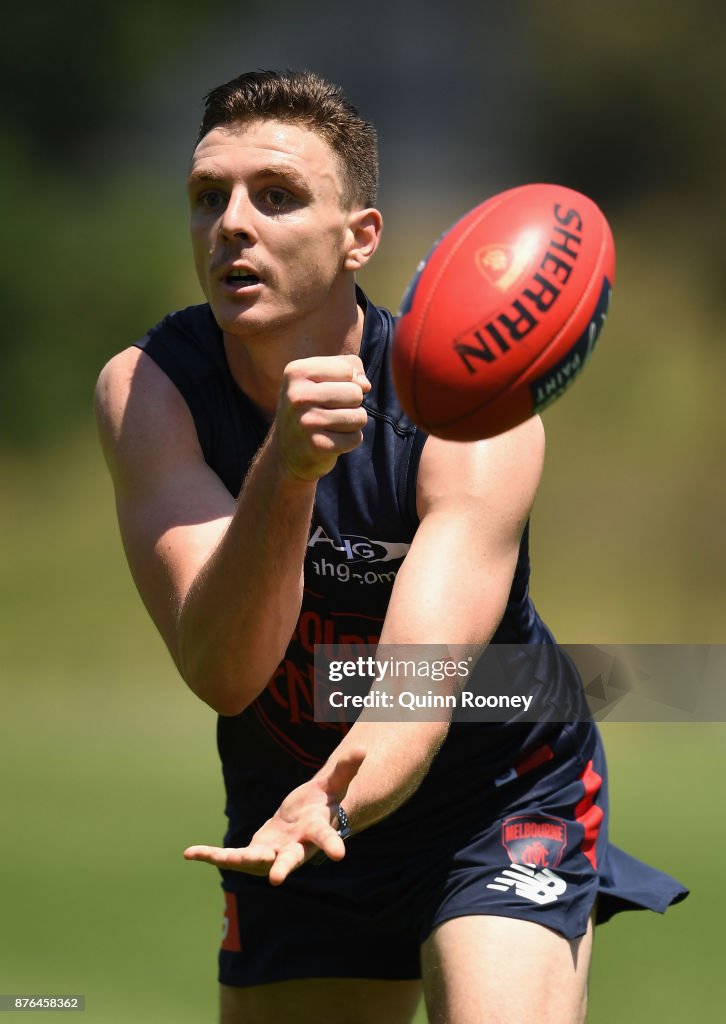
538	886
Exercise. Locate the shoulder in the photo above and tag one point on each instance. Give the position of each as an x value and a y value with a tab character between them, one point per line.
138	410
130	384
154	370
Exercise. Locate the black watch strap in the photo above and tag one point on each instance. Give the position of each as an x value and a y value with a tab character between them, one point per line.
344	829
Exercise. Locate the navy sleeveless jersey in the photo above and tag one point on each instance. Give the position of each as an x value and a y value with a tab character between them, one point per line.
363	523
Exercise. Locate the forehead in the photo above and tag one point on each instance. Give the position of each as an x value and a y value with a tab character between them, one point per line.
264	146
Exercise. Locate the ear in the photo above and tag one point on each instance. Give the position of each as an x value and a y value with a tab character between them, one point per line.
364	234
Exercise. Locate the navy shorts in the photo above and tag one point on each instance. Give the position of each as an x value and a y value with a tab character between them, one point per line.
529	842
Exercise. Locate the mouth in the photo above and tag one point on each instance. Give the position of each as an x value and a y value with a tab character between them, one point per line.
238	278
241	279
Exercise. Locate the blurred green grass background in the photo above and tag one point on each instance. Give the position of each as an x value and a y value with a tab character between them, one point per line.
108	763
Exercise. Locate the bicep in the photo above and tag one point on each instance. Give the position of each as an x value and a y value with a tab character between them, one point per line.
474	501
172	508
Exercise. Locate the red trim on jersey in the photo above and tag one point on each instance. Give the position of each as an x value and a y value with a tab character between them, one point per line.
373	640
588	814
230	935
534	760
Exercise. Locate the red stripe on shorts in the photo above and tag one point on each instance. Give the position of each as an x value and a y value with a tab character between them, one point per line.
588	814
230	932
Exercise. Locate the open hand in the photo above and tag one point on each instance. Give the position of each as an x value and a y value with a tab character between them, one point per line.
300	827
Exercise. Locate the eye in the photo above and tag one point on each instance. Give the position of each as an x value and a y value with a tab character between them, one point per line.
212	199
276	198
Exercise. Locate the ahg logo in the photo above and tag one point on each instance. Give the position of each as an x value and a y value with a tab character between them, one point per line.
360	549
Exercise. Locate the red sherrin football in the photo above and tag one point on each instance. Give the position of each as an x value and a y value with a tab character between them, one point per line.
504	312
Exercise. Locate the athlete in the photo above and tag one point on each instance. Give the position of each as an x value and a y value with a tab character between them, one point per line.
272	496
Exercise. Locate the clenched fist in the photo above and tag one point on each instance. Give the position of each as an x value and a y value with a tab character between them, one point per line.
320	413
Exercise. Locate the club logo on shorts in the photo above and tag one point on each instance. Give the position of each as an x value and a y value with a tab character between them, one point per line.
539	840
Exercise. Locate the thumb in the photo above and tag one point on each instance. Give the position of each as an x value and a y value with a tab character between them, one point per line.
359	374
343	772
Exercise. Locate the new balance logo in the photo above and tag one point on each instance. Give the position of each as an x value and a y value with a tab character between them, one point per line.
538	886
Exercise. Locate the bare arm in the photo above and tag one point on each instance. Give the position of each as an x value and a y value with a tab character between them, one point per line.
474	501
222	579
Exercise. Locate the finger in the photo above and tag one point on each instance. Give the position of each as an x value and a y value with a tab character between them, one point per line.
330	394
254	859
343	772
360	378
336	442
344	420
327	368
289	858
326	394
330	843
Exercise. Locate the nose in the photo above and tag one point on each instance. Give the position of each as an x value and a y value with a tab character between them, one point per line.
238	218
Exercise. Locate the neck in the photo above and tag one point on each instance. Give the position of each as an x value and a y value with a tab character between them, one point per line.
257	361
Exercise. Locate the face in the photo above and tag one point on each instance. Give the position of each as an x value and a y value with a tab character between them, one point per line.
269	230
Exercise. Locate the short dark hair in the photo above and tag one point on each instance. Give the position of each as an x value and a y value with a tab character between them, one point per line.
303	98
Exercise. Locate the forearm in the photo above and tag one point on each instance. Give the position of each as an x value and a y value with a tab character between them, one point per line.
453	588
398	758
240	611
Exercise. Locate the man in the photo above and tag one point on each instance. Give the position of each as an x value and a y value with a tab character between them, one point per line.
255	443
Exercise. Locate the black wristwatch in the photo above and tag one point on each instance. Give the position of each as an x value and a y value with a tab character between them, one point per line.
344	831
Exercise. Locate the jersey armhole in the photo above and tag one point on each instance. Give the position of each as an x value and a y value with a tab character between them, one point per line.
188	389
407	492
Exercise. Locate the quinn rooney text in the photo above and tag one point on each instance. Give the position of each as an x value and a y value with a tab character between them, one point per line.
414	701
